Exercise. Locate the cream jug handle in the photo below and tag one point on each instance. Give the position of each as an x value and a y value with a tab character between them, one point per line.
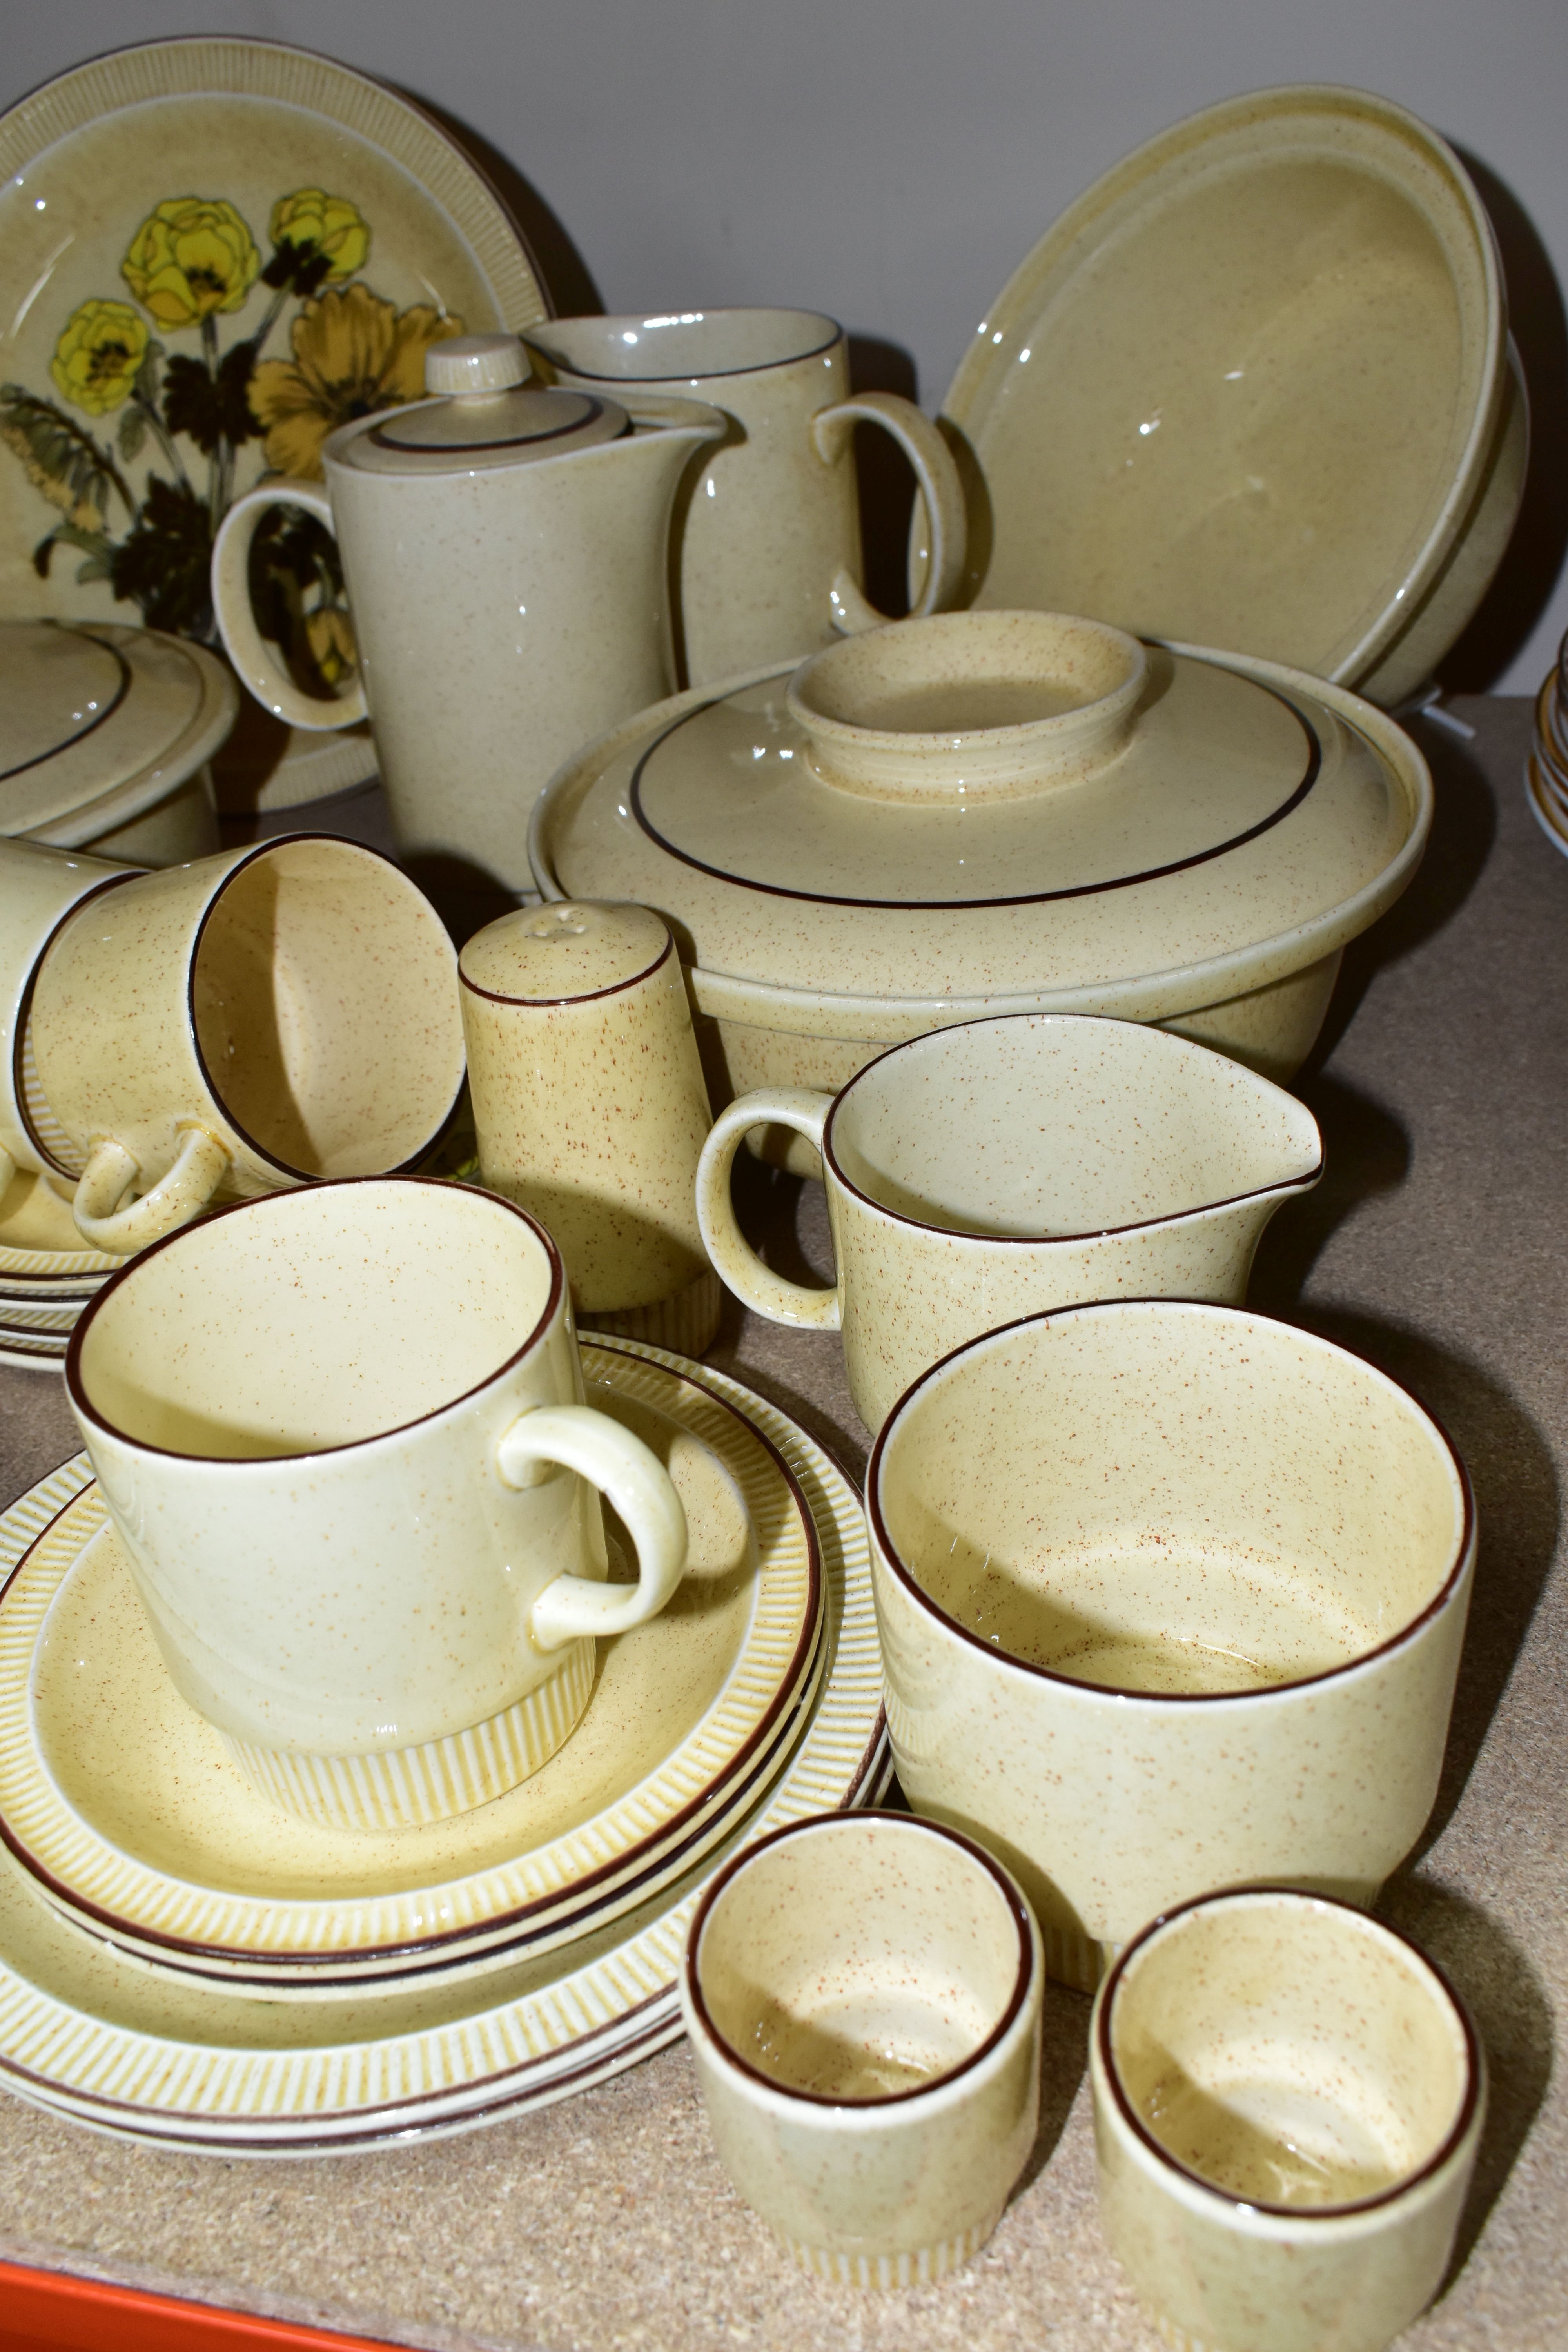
199	1168
754	1284
639	1486
248	648
937	477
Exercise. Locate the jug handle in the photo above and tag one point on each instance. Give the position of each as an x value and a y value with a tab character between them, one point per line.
938	481
248	648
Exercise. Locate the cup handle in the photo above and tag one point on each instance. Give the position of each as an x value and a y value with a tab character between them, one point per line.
199	1168
754	1284
248	648
7	1169
637	1482
940	485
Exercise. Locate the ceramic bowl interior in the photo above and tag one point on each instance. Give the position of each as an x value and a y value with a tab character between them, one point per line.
1048	1126
1169	1499
1286	2052
331	1354
681	345
965	702
856	1960
323	1000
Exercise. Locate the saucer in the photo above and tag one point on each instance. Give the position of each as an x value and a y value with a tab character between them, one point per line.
126	1806
40	1248
89	2032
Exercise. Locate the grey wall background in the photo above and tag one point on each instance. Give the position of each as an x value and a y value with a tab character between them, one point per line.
891	161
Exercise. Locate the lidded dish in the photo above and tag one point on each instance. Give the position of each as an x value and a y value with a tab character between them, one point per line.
104	734
997	812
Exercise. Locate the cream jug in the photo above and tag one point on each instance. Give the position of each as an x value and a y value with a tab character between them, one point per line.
504	548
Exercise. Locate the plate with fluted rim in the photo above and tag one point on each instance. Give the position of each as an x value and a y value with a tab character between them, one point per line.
124	1804
85	2031
40	1246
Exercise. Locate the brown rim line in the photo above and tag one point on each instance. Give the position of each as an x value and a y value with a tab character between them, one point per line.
1474	2057
383	439
1302	1183
1298	793
83	733
531	339
586	996
24	1018
299	1176
884	1547
661	2009
1029	1960
264	1462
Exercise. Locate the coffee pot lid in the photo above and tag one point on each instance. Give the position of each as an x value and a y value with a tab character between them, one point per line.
483	411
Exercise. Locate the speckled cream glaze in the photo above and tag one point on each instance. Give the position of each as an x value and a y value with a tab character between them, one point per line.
38	889
590	1105
510	599
1171	1596
1287	2099
987	1171
820	915
1255	388
328	1425
863	2000
293	1007
769	536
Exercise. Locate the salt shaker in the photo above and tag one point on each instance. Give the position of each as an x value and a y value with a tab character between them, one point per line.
591	1109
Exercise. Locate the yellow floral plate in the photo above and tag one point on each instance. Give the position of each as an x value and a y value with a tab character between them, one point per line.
211	253
88	2032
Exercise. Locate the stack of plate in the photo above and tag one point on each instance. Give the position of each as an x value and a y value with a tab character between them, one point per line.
47	1275
1546	771
182	1962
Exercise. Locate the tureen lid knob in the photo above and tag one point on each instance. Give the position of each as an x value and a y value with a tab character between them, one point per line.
475	364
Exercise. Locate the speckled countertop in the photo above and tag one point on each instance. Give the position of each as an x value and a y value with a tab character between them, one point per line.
1437	1245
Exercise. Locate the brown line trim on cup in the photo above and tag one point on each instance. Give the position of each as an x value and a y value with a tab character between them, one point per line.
1464	1550
241	865
70	742
86	1410
811	1639
25	1014
529	339
1309	777
1475	2067
586	996
384	439
813	1825
1034	1241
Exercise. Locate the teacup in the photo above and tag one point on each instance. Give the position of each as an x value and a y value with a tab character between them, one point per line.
998	1167
38	888
260	1019
770	535
1288	2102
1171	1596
862	1993
332	1427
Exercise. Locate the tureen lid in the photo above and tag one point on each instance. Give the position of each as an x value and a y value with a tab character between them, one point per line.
484	412
90	712
1224	802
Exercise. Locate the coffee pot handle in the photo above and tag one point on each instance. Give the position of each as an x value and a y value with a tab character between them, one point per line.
248	650
940	485
754	1284
637	1482
200	1166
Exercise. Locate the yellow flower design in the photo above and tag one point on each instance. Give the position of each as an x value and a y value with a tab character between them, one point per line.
330	635
192	257
96	359
354	354
313	222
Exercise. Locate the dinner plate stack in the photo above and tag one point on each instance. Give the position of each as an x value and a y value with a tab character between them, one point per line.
47	1275
184	1962
1546	771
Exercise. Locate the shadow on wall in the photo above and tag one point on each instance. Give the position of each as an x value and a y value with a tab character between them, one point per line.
1518	594
569	288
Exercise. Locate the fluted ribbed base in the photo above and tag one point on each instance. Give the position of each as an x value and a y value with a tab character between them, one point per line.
911	2266
685	1324
398	1788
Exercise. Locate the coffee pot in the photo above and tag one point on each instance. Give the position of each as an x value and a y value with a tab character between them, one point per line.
505	548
